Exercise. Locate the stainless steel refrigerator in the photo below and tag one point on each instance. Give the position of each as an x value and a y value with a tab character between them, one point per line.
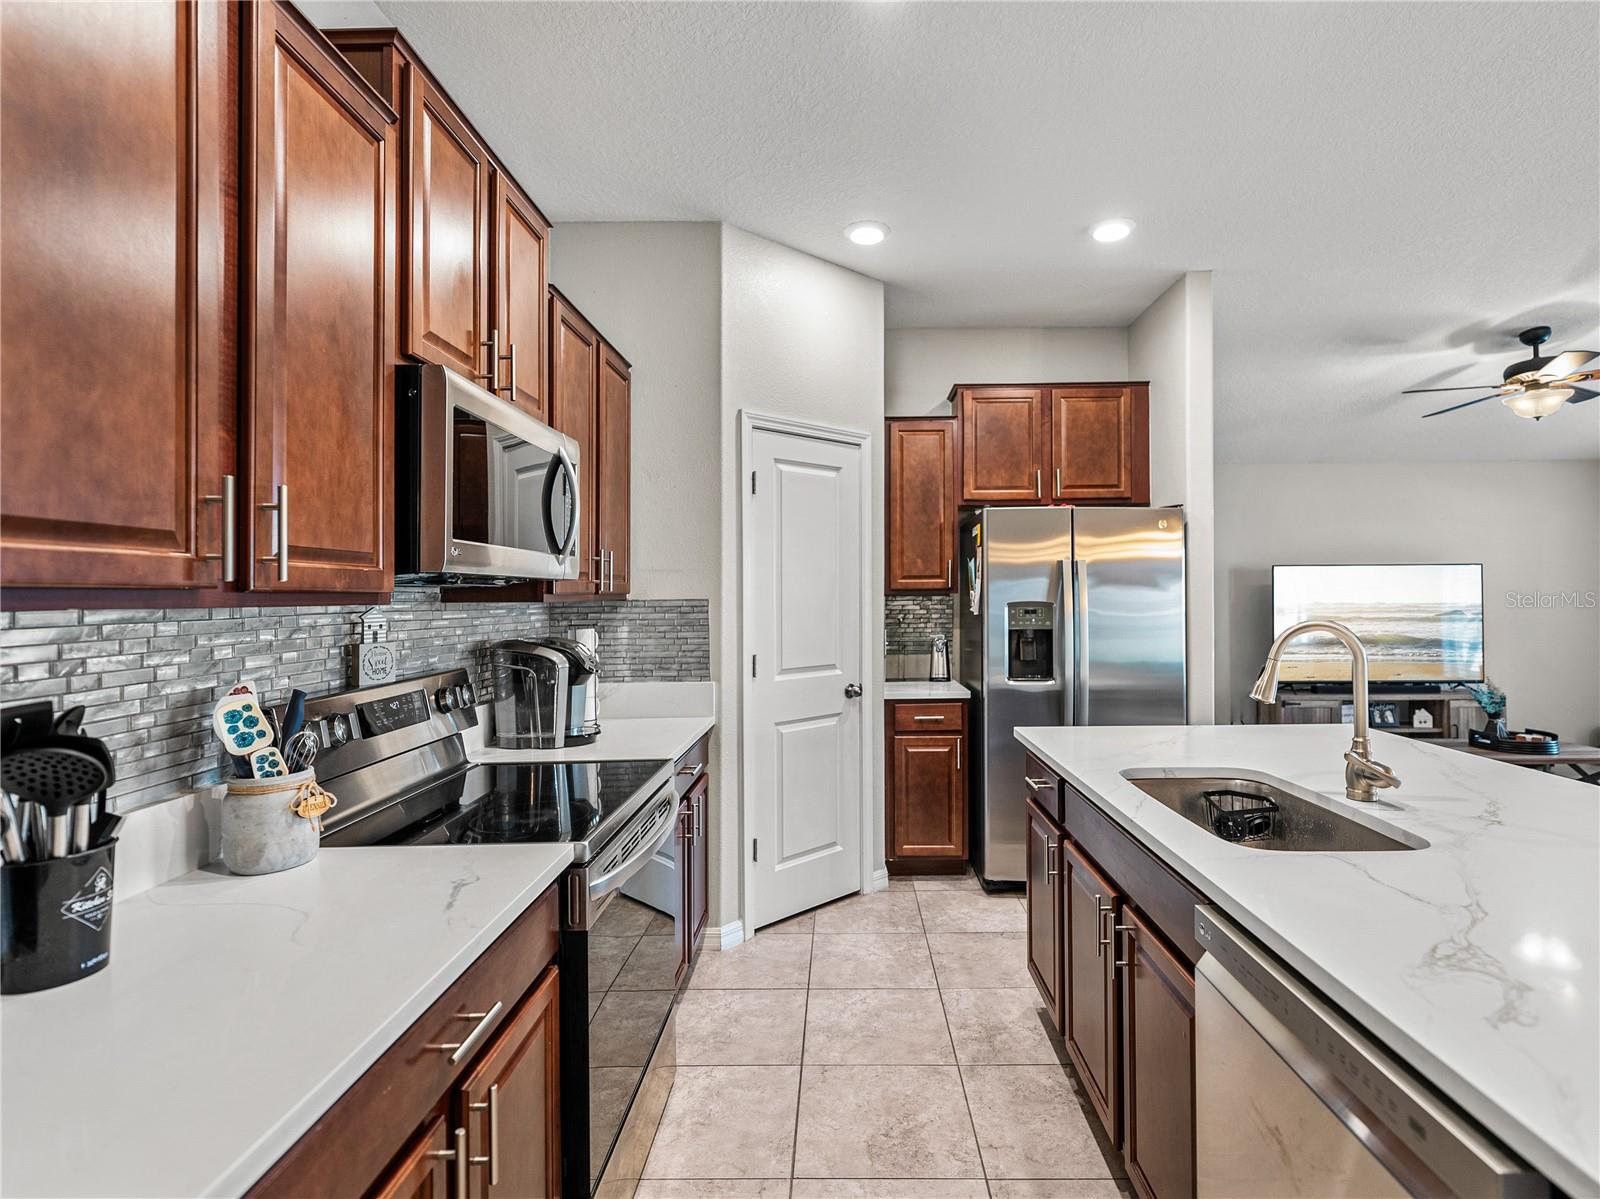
1068	616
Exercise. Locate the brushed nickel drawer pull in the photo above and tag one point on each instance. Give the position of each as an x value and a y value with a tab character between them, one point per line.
938	718
692	771
1038	785
459	1049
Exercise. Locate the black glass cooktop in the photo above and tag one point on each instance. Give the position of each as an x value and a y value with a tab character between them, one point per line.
585	803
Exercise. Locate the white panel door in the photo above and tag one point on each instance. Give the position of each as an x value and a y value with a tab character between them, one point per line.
803	533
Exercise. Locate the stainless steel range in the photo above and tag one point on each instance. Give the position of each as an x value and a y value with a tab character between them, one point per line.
395	758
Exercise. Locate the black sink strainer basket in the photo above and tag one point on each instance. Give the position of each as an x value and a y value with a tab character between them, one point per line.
1239	816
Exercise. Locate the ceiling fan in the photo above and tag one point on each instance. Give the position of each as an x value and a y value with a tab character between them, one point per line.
1534	387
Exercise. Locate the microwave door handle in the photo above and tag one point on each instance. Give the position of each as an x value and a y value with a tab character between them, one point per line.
577	502
560	467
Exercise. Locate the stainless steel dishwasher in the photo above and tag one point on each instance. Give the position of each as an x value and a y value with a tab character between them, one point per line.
1293	1102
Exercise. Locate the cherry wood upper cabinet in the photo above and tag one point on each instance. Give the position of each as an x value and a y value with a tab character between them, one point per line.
1158	1070
1100	444
612	500
921	512
521	240
510	1105
448	206
574	382
116	356
320	308
1005	451
1092	907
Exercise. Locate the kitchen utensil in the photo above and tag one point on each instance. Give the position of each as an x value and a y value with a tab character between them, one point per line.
70	722
82	825
23	723
56	772
300	750
10	836
240	722
268	763
105	827
294	716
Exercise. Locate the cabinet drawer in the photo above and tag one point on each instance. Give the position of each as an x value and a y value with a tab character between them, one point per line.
1043	787
356	1138
929	717
691	766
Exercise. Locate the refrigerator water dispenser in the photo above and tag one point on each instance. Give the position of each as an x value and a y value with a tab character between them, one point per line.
1030	642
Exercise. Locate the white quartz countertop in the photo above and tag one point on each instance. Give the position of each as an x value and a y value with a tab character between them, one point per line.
621	738
918	689
236	1010
1475	960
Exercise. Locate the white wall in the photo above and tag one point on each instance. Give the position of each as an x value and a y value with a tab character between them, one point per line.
921	365
1531	524
1171	346
800	338
655	290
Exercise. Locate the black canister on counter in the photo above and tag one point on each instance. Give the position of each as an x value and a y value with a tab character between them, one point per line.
55	919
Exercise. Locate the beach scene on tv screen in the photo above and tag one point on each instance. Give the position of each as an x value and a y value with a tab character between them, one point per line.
1419	623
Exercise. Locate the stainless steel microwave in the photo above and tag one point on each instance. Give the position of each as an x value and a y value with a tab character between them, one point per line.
484	493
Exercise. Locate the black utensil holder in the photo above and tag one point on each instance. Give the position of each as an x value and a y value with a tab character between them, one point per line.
55	919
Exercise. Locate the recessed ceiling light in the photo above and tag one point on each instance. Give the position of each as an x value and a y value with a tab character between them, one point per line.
1117	228
866	233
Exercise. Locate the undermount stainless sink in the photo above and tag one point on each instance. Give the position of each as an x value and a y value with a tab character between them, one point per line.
1258	814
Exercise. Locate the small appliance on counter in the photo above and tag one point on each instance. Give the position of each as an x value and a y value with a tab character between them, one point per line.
939	660
59	841
590	640
544	693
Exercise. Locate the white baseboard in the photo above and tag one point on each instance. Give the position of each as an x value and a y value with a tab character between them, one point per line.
880	879
725	936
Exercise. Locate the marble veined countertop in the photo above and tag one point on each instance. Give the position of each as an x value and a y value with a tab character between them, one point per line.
1475	960
236	1010
901	689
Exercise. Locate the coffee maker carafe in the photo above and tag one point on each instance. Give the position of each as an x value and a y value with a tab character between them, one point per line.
541	693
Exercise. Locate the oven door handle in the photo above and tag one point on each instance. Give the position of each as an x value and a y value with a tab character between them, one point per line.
613	879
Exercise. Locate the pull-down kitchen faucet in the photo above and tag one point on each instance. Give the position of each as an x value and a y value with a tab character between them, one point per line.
1361	773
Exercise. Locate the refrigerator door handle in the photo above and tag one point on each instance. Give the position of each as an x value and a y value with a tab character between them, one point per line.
1080	635
1067	607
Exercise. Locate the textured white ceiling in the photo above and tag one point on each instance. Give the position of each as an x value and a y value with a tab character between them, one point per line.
1385	192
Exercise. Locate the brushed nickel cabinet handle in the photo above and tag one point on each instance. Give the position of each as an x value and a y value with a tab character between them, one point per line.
1123	928
510	357
458	1155
958	753
229	499
459	1049
492	378
492	1158
1038	484
280	524
1102	909
949	572
1058	482
611	570
1051	871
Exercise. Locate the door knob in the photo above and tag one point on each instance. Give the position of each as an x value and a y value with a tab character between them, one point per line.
852	690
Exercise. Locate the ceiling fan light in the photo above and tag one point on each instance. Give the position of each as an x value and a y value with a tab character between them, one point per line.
1538	403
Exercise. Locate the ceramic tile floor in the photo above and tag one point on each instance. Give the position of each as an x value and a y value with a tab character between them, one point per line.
887	1046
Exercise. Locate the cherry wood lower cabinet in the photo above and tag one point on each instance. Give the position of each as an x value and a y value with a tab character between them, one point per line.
1044	911
1117	974
920	513
421	1125
926	786
1158	1071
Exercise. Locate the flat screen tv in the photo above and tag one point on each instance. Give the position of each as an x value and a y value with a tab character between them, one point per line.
1421	623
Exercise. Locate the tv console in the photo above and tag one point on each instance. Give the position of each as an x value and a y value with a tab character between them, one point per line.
1453	710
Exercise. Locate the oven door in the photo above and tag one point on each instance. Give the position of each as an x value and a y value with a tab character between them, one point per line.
485	489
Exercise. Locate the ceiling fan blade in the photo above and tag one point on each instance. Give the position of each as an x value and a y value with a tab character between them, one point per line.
1568	363
1458	407
1580	394
1412	391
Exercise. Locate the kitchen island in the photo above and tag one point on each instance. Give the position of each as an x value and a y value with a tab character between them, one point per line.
1475	960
